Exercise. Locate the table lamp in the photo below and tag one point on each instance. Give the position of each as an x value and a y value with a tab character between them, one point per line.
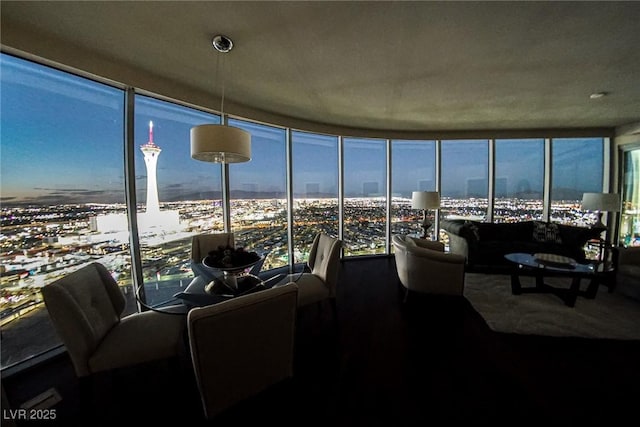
425	200
600	202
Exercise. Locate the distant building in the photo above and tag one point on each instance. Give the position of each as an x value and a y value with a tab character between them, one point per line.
153	217
151	153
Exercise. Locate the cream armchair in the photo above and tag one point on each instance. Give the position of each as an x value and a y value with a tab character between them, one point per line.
320	282
424	267
85	308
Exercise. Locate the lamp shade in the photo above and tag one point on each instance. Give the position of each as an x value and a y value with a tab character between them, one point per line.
603	202
220	144
425	200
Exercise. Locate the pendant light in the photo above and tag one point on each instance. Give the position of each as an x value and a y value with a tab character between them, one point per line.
220	143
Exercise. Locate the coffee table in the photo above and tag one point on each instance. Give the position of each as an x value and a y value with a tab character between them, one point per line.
540	267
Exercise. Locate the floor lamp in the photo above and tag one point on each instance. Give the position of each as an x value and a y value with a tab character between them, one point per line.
600	203
425	200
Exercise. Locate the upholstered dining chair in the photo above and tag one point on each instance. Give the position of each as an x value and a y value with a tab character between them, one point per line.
242	346
202	244
424	267
86	309
318	282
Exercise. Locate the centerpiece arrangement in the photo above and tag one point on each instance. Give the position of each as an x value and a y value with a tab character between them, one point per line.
232	262
229	258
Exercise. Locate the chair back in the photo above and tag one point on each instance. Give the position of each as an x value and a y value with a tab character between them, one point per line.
423	266
202	244
242	346
84	306
324	260
400	253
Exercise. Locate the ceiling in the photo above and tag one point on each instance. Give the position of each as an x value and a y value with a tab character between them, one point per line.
408	66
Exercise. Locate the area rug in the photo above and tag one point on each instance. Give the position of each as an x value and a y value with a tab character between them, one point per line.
608	316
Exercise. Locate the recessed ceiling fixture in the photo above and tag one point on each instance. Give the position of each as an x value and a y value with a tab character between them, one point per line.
222	43
220	143
597	95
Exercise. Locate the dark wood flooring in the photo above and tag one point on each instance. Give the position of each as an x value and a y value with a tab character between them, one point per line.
432	360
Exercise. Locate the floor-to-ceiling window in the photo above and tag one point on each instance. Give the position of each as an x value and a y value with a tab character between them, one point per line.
413	168
258	195
315	189
62	180
630	215
465	179
577	168
519	180
365	183
63	190
176	195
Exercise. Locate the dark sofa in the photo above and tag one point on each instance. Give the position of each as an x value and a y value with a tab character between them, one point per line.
485	244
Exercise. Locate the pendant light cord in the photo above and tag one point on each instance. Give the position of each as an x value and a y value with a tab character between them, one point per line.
221	73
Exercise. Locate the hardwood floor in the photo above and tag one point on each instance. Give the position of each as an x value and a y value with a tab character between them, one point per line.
432	360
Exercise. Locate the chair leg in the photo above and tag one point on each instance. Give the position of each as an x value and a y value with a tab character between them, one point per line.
406	295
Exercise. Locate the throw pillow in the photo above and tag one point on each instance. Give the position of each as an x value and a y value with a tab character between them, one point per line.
539	231
546	232
552	233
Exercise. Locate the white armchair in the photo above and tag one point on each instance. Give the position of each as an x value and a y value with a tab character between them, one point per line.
86	309
424	267
320	283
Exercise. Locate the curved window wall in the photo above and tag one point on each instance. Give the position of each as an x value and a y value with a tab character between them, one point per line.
63	190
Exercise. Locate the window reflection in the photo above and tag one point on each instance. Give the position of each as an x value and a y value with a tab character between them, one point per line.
365	196
258	195
315	190
576	169
413	168
465	179
519	181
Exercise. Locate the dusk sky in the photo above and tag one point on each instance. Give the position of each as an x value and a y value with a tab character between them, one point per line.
62	140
